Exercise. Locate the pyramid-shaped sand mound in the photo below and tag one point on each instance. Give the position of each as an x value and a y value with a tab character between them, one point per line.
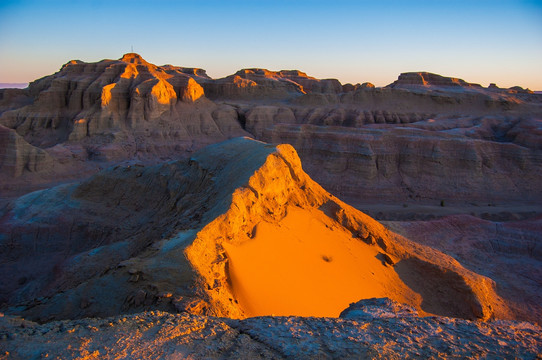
238	230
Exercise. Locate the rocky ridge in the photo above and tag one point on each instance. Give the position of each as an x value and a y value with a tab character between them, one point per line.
163	335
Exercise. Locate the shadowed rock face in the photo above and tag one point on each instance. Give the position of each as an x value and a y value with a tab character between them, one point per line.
174	236
473	159
513	249
17	156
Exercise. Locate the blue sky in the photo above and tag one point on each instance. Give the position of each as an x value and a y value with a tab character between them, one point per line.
354	41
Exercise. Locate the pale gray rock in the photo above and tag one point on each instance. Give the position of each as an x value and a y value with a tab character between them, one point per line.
382	308
163	335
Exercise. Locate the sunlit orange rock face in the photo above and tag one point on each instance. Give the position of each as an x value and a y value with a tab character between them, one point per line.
238	230
287	247
112	95
306	265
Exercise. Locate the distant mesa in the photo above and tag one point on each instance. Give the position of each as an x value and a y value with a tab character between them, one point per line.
258	83
520	90
350	87
493	86
429	79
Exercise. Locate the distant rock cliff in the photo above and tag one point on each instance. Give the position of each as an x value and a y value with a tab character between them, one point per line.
121	101
264	84
424	137
429	79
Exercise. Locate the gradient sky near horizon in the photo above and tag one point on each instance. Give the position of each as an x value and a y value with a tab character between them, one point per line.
479	41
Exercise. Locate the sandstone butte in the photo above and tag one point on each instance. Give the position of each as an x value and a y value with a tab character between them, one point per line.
141	221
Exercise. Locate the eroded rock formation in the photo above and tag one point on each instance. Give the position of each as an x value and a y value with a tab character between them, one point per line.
123	102
240	229
208	230
490	159
258	84
424	138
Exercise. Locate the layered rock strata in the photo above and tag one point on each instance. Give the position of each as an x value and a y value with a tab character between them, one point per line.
128	98
424	138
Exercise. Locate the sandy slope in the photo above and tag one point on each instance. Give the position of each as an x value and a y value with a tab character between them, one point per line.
306	265
233	243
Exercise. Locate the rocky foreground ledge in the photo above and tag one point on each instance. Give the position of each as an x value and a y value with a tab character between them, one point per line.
369	329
